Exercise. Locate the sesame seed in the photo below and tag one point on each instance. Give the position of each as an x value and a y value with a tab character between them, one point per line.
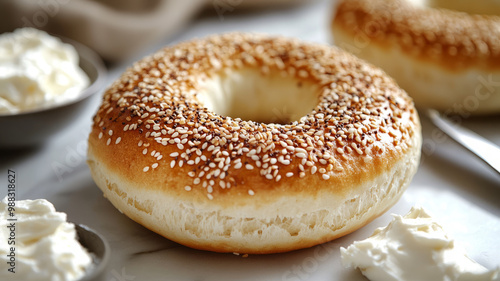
145	169
300	150
187	188
251	192
108	141
301	155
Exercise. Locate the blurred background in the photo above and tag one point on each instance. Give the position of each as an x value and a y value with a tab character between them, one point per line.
120	30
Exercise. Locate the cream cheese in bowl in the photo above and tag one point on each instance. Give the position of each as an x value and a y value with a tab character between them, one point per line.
36	243
42	92
37	70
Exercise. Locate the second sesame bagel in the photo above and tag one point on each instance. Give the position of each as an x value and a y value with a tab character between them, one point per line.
445	54
253	144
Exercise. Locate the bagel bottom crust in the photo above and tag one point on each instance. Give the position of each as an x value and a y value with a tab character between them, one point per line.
474	91
214	228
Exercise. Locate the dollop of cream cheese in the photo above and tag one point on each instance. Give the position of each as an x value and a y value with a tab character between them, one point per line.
37	70
413	247
46	246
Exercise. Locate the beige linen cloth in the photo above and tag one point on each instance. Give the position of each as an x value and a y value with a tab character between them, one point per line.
116	29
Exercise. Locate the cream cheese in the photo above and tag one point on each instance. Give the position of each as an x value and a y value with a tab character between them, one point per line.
413	247
45	245
36	71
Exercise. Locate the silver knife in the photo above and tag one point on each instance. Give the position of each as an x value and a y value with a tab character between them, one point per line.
481	147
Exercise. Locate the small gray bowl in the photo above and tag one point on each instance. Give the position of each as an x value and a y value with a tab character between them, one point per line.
98	247
37	126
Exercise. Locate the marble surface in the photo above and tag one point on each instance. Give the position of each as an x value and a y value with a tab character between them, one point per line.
454	186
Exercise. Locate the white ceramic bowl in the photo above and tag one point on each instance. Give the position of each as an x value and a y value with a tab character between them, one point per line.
98	247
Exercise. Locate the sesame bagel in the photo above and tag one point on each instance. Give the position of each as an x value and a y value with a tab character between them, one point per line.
445	54
253	144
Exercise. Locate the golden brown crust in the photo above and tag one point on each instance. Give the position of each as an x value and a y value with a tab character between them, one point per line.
151	121
454	40
357	133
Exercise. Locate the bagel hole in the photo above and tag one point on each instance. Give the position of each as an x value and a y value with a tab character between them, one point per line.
482	7
251	95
